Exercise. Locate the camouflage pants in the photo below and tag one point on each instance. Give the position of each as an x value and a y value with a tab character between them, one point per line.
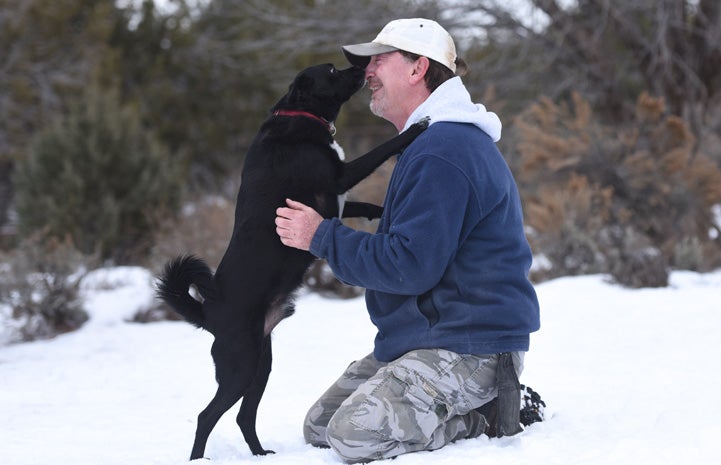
421	401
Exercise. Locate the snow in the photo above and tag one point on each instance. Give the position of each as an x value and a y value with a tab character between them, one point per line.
628	376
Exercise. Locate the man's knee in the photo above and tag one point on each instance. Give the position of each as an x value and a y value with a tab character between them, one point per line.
314	426
351	443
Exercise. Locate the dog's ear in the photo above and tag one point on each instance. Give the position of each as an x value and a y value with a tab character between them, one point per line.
298	90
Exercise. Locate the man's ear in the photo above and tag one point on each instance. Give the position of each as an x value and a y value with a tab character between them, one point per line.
420	68
298	89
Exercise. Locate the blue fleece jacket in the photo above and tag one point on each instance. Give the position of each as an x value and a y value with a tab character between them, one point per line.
448	265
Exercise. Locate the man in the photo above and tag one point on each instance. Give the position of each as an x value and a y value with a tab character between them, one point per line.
446	272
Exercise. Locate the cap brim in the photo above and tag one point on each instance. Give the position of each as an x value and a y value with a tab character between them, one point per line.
360	54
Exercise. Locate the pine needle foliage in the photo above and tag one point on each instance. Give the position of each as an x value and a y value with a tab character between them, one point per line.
99	178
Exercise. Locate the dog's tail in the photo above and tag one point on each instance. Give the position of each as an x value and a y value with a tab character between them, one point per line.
173	286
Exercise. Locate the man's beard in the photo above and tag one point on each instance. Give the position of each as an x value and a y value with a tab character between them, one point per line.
377	107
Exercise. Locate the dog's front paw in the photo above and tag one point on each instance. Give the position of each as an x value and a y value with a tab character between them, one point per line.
419	126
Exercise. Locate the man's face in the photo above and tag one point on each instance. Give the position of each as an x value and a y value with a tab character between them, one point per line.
387	76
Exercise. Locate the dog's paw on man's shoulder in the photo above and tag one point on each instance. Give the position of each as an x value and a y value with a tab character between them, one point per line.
420	125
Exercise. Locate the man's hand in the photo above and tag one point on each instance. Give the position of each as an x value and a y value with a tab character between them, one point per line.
296	224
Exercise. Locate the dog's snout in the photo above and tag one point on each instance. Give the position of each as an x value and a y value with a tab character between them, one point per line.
356	76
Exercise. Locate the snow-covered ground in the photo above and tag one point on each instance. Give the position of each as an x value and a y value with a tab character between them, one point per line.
629	376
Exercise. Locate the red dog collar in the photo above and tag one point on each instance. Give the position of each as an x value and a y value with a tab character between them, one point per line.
328	124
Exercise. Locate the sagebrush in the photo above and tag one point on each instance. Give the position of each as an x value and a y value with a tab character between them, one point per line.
630	201
40	289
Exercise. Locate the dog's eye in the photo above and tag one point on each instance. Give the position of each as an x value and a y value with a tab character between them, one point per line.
333	70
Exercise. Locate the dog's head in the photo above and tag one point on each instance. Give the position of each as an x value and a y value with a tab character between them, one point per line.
322	90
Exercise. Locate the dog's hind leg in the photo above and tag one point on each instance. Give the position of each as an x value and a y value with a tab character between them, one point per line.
249	408
224	399
234	371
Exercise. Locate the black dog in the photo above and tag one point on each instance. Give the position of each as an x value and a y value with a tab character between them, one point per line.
252	289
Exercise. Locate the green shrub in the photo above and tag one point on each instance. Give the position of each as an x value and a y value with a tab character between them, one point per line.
99	178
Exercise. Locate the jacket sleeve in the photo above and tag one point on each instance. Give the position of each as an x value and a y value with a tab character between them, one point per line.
425	214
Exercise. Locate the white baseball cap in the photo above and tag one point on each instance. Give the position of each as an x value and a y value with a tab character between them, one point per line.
421	36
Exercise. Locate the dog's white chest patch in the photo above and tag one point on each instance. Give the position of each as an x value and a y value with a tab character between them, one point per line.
341	198
338	149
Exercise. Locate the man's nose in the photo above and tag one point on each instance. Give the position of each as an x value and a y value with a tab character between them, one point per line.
370	70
